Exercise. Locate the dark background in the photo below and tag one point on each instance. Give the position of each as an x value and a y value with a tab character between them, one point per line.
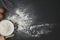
46	11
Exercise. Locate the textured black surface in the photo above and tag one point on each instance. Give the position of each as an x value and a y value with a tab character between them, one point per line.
46	11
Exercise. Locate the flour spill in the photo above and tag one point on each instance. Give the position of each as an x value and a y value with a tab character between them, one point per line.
24	22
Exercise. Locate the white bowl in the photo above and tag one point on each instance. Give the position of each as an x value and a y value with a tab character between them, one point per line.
6	28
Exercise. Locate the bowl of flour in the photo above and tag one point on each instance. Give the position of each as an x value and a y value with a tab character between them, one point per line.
6	28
